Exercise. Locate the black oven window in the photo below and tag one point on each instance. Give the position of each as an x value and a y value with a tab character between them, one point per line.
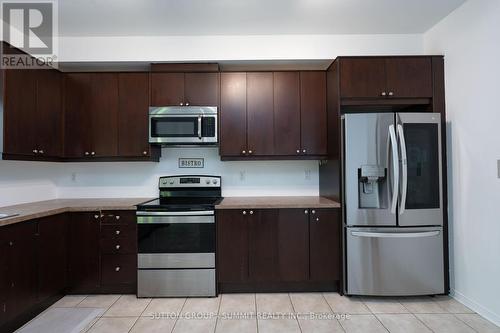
176	238
174	127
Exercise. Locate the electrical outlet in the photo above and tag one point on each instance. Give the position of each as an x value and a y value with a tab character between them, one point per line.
307	174
73	177
243	175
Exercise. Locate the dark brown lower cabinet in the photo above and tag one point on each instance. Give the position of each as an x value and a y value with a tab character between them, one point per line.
278	249
83	264
52	256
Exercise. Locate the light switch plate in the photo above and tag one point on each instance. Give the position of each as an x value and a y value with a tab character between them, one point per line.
498	167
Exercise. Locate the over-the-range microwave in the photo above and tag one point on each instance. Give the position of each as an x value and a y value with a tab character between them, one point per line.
183	125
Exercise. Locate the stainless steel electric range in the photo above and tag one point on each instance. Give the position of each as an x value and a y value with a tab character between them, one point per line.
176	238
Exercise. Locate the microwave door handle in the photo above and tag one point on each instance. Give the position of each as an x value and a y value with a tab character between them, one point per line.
395	168
199	127
404	167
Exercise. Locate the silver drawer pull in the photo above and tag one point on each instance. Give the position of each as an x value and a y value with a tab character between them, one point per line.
117	247
117	232
117	217
117	268
394	234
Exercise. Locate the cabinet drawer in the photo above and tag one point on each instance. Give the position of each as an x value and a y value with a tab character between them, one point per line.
119	245
118	269
118	217
118	231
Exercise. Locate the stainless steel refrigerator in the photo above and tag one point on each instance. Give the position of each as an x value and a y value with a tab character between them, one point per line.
393	212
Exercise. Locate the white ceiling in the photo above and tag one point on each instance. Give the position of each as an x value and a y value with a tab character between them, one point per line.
249	17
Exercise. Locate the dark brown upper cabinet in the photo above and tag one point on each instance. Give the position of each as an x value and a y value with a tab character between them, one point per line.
260	120
106	117
91	113
273	115
233	114
184	89
287	113
33	113
385	77
133	106
313	119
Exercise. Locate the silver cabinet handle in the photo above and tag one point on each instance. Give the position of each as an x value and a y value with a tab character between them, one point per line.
96	216
250	152
11	243
383	93
404	169
317	219
391	93
306	211
87	153
117	217
181	104
187	103
298	151
395	234
92	153
304	151
117	247
251	212
243	152
199	126
40	151
145	152
35	151
117	268
395	167
244	212
117	232
313	211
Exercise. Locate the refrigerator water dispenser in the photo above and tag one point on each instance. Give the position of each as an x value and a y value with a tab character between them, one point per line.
370	179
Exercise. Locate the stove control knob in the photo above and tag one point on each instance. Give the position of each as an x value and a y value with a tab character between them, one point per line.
207	181
171	182
214	181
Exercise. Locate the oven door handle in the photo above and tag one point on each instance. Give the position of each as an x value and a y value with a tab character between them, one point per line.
175	219
190	213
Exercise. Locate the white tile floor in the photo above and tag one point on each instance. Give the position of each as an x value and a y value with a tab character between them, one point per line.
294	312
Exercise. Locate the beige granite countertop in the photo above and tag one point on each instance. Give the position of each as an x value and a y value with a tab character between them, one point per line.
33	210
276	202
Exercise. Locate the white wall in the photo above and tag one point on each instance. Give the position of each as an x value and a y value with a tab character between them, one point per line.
469	39
140	179
212	48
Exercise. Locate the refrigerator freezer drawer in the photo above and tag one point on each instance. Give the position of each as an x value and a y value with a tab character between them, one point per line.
175	282
395	261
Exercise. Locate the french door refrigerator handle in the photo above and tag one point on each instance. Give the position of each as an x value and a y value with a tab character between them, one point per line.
395	234
395	167
404	167
199	127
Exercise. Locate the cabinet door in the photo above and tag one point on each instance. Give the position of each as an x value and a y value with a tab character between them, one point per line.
52	256
324	240
133	124
49	113
286	113
293	245
201	89
233	114
20	111
167	89
22	268
263	247
313	113
409	77
83	252
4	279
362	77
104	114
76	112
260	119
232	246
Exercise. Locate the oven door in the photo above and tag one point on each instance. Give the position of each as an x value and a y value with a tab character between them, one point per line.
183	129
176	232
